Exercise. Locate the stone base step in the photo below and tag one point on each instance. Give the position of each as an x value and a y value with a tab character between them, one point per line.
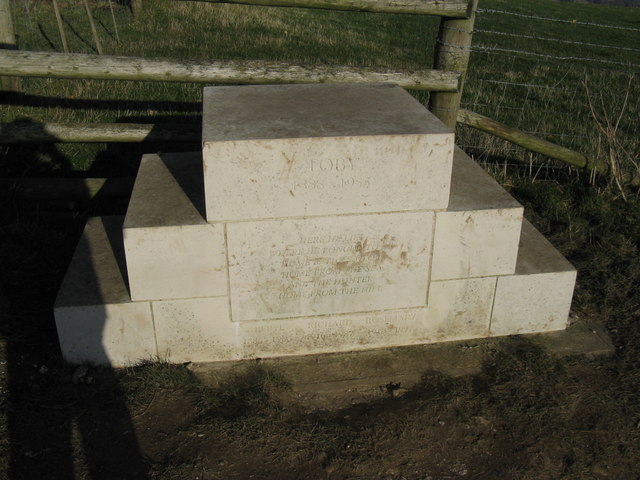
172	252
98	323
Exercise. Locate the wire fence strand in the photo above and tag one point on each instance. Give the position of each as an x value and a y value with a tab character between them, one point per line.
488	49
559	20
559	40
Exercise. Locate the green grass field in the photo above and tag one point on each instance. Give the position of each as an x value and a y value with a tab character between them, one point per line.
527	416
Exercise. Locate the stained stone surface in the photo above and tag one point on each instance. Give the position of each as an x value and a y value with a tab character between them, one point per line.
479	232
195	330
201	330
460	309
308	150
293	268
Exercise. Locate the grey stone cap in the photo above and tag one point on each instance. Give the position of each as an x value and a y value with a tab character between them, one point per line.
316	110
537	255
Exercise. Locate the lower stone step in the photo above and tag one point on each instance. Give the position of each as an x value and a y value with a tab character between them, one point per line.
335	381
98	323
96	320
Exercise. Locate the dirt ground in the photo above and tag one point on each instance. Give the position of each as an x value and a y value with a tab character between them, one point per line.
159	422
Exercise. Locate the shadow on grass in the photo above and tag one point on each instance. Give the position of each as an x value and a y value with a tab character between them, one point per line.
34	154
31	159
85	103
124	158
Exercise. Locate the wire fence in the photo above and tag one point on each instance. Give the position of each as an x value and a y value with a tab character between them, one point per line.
555	78
559	20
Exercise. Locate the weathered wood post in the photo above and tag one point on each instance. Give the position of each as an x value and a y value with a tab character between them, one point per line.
136	8
94	32
63	36
115	25
452	53
8	41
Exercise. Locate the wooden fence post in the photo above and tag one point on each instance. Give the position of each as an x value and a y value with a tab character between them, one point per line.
8	41
63	36
452	53
94	32
136	8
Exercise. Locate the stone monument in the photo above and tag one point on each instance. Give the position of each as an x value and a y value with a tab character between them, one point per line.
316	219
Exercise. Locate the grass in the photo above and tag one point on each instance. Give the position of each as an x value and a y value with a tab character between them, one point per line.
527	416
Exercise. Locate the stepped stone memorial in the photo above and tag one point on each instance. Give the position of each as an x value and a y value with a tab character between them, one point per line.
316	219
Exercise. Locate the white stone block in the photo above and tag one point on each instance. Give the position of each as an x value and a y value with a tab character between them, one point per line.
313	150
538	297
333	333
118	335
328	265
96	321
460	309
478	234
195	330
171	251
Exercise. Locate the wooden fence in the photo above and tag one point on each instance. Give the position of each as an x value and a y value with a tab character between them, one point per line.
445	80
102	67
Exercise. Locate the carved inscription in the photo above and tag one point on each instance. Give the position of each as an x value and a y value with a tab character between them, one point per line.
335	174
330	265
317	334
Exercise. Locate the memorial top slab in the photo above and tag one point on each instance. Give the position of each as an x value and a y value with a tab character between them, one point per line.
313	111
312	150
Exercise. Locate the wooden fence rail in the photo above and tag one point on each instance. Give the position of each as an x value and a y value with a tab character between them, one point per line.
26	132
442	8
102	67
525	140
